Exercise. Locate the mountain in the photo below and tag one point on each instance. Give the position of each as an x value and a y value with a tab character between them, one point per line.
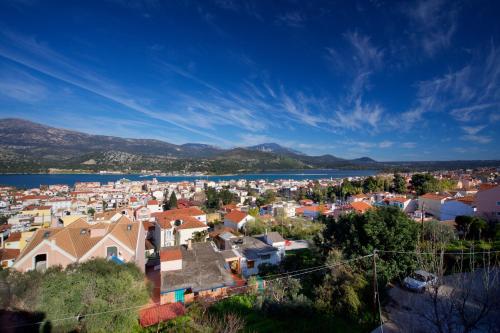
26	146
274	148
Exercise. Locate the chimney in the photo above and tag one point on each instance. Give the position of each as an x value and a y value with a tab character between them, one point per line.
189	244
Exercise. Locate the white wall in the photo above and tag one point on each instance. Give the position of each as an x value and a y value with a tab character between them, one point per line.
171	265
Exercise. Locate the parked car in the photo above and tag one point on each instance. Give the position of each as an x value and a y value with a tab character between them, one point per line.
419	281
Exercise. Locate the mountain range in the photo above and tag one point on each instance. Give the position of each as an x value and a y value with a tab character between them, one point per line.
26	146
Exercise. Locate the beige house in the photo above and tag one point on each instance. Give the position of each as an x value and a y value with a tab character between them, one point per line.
120	241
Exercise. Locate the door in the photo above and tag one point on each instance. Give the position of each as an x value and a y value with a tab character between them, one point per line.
179	295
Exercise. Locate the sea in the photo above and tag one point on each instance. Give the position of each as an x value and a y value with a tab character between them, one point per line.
35	180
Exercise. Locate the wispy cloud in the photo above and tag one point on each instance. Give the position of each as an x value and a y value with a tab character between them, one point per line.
21	86
36	56
468	94
472	134
434	23
362	59
294	19
409	145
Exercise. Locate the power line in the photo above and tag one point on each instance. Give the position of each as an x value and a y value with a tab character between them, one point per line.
290	274
433	253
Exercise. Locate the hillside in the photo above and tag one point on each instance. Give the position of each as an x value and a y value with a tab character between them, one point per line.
26	146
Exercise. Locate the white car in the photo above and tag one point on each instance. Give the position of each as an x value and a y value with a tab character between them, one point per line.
419	280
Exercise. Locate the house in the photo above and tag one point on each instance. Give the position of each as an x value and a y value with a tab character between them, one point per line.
248	253
154	206
13	241
358	198
121	241
456	207
7	257
237	219
175	227
407	205
311	211
274	239
142	213
193	271
193	211
360	206
432	203
488	202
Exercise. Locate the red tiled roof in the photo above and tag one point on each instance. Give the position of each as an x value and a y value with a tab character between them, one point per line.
152	202
360	206
192	211
235	216
189	222
487	186
9	254
432	196
158	313
14	237
170	254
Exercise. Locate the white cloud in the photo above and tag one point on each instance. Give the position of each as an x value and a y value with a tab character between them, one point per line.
409	145
477	138
386	144
21	86
292	19
434	22
473	130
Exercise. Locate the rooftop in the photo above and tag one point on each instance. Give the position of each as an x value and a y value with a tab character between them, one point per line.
202	268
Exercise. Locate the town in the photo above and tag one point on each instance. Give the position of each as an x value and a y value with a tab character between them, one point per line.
206	241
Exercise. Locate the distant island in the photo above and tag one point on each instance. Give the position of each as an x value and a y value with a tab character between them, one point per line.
28	147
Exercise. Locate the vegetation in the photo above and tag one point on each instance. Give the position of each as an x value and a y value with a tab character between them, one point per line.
215	199
80	293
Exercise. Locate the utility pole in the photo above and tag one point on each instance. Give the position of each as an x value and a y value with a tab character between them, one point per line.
422	222
375	289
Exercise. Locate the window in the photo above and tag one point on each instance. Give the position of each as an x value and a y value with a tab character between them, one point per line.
265	257
498	203
111	251
40	262
250	264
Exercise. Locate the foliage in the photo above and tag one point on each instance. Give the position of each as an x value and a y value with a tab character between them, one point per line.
268	197
424	183
91	211
255	227
216	199
81	290
399	184
470	227
438	233
342	292
384	228
199	236
172	202
254	211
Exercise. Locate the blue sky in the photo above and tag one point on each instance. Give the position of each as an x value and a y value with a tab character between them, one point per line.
390	80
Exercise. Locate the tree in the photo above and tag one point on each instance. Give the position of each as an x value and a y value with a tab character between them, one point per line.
399	184
80	291
172	202
470	226
342	291
91	211
166	204
370	185
384	228
424	183
212	198
199	236
226	196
